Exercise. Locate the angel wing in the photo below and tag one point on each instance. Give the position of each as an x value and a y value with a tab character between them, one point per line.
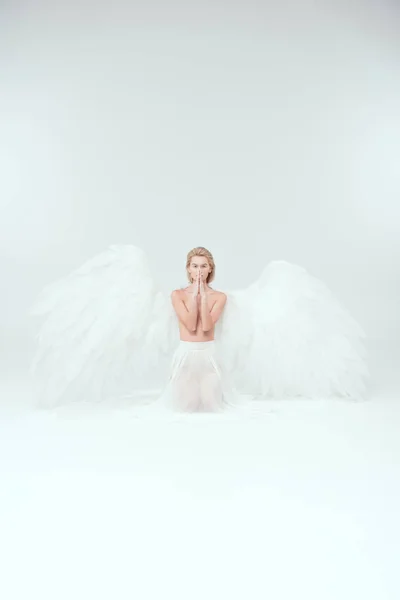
286	335
104	326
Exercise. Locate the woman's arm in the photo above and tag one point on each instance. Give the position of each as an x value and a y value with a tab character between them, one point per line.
186	315
210	317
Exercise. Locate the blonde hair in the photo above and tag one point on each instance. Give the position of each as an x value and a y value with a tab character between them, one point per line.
200	251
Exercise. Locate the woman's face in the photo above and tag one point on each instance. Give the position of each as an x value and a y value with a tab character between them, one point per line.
199	263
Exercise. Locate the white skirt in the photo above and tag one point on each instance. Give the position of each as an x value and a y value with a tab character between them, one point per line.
198	381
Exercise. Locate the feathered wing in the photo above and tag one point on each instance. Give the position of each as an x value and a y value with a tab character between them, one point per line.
286	336
103	327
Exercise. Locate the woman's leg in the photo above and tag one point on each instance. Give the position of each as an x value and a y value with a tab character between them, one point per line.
211	393
185	394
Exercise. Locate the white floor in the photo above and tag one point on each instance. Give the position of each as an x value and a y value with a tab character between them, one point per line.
300	502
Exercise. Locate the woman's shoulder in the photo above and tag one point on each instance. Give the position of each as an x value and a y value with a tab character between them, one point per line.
218	294
179	292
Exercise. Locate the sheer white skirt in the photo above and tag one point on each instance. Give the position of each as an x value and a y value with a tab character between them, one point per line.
197	381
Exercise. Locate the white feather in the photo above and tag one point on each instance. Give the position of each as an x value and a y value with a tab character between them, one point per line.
286	336
92	343
107	323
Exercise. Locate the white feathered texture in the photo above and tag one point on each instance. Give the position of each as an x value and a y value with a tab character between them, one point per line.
107	323
287	336
104	325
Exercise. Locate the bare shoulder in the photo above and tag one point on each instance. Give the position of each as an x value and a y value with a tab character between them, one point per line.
178	294
219	296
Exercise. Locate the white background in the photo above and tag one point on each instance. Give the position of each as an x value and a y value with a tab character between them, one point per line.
260	130
263	130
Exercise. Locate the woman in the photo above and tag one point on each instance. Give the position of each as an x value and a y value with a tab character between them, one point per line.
196	380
